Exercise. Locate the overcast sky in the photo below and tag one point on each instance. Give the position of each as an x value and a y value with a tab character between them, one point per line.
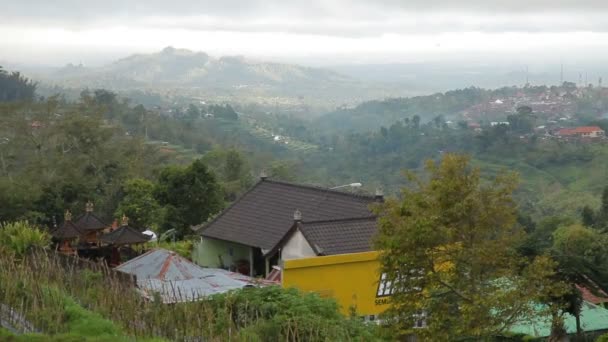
56	32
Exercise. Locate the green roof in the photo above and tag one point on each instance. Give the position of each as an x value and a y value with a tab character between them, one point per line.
593	318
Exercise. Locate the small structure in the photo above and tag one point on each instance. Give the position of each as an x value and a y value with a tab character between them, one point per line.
589	132
153	236
474	126
90	225
66	233
174	279
123	236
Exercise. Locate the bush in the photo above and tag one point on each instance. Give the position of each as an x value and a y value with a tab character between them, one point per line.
64	300
277	314
20	237
602	338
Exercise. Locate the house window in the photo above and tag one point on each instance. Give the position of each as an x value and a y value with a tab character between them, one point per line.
420	320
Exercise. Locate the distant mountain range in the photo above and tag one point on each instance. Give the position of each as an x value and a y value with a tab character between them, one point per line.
185	68
190	75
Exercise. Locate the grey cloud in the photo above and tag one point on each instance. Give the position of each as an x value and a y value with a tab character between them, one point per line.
323	17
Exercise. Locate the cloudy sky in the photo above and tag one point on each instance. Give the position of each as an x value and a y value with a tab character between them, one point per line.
305	31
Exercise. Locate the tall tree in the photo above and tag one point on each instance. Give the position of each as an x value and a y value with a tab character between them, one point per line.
139	204
448	249
15	87
190	195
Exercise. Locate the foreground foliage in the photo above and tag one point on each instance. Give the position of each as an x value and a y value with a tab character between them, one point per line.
449	252
21	237
46	289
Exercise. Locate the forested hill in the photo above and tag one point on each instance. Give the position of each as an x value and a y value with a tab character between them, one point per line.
470	104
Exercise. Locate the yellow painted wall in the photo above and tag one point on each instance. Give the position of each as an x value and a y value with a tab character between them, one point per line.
352	279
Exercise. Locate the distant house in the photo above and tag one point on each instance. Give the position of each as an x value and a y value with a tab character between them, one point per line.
581	132
474	126
259	229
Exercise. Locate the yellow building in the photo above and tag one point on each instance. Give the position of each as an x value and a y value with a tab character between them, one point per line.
352	279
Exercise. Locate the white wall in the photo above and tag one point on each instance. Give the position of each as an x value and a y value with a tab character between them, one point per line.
297	247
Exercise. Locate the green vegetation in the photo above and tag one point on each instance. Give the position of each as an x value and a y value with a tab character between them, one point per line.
14	87
449	251
189	195
52	296
21	237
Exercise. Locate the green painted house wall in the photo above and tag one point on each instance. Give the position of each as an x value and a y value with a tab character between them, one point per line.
594	318
218	253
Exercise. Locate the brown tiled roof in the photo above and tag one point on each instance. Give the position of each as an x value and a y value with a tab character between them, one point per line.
124	235
89	221
66	231
340	236
264	214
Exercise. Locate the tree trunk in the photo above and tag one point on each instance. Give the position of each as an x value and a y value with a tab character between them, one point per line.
558	331
579	330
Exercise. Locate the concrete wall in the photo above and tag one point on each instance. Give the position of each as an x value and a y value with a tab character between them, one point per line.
297	247
352	279
208	253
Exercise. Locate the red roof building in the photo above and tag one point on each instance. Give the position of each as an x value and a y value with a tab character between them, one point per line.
582	132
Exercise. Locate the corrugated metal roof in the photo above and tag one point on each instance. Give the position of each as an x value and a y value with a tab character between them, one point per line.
593	318
176	279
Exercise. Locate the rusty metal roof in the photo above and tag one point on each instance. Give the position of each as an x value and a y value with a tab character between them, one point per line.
176	279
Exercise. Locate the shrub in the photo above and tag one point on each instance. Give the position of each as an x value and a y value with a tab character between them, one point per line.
20	237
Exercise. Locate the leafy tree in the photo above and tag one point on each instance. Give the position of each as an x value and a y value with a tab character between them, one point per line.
139	204
582	256
190	195
15	87
193	112
603	212
524	121
588	216
232	169
282	170
416	121
449	251
224	111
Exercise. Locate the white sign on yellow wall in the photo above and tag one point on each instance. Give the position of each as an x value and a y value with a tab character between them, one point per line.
352	279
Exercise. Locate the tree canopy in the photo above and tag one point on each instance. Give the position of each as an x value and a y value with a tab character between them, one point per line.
15	87
449	251
190	195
